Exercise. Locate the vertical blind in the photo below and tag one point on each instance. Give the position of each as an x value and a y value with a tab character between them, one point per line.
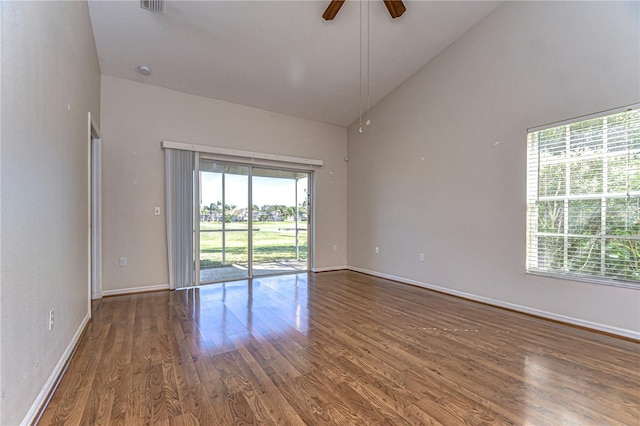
179	180
583	198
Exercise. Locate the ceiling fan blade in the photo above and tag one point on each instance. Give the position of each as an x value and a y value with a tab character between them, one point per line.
396	7
332	9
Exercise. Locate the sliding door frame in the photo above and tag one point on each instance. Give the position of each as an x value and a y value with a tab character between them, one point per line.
250	223
196	217
250	166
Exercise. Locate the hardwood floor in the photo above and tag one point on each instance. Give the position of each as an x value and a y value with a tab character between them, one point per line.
338	348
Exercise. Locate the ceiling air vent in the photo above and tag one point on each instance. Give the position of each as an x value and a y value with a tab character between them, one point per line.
152	5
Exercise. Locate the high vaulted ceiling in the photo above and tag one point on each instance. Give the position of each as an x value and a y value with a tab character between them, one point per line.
280	56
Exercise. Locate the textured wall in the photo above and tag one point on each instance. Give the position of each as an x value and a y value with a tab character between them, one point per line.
137	117
50	80
442	171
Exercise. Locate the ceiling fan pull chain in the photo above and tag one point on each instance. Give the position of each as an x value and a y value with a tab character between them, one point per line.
396	8
368	122
360	128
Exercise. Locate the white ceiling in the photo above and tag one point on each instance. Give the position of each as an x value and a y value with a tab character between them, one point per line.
280	56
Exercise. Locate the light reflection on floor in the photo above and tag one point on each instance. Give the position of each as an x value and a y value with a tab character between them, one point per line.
266	306
542	372
239	270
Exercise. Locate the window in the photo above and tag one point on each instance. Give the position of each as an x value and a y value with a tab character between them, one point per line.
583	198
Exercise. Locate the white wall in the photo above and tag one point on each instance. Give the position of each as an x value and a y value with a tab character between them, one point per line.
137	117
1	37
429	177
50	80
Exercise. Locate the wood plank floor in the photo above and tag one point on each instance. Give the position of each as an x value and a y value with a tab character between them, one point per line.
338	348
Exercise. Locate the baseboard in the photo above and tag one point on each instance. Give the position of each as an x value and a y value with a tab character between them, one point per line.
39	404
131	290
622	332
329	268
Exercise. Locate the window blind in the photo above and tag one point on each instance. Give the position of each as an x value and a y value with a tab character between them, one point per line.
179	176
583	198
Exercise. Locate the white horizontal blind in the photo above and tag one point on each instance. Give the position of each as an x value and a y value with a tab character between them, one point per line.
583	198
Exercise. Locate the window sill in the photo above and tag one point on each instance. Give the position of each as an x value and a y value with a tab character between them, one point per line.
588	279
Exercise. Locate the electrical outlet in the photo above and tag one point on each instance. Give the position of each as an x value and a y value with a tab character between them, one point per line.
421	257
123	261
51	320
377	250
335	247
157	211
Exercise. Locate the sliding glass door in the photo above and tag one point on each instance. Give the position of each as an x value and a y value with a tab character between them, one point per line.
224	226
280	221
254	221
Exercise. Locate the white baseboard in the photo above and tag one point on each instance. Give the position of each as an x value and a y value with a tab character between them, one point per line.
135	289
53	377
329	268
524	309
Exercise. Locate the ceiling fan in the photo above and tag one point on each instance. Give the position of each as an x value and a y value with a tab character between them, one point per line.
395	7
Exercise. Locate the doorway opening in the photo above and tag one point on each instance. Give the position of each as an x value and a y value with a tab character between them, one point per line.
95	212
253	221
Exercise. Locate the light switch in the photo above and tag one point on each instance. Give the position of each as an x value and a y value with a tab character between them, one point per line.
157	211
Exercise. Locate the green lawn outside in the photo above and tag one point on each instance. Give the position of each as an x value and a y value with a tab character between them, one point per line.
272	242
